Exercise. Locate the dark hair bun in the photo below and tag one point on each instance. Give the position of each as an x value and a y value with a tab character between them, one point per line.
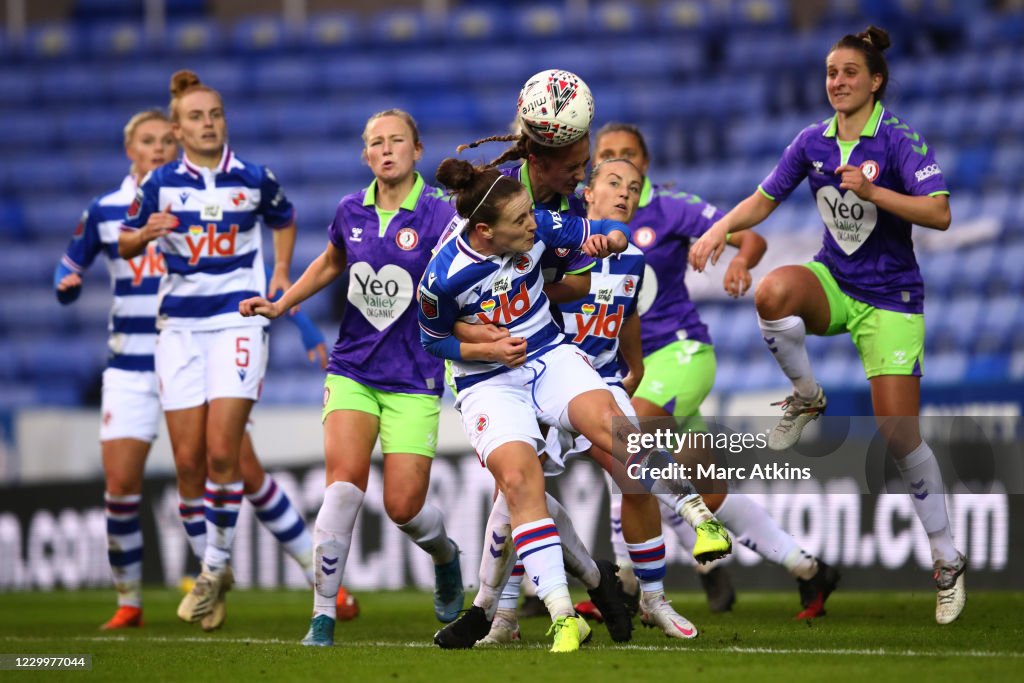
878	37
182	81
456	174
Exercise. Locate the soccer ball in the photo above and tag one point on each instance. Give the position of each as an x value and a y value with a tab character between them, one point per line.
555	108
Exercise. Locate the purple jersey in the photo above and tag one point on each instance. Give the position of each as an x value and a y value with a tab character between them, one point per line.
869	251
663	226
558	263
378	341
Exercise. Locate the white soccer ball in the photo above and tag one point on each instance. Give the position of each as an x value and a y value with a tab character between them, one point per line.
555	108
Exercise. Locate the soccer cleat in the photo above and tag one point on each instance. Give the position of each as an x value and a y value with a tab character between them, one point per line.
320	633
448	590
532	607
504	629
718	589
124	617
712	542
797	412
589	611
200	600
815	591
658	613
952	595
346	605
607	597
215	619
570	633
464	632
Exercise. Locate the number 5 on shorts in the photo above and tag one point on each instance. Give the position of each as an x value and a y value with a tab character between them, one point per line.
242	351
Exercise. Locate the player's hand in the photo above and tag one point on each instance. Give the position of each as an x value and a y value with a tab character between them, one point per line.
69	281
631	382
597	246
479	334
258	305
510	352
708	247
852	178
320	352
159	224
737	278
279	284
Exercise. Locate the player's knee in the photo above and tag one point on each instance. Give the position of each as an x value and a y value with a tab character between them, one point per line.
402	509
770	297
120	485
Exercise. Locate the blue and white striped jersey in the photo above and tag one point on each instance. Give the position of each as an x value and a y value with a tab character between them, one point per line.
214	257
461	284
134	282
594	322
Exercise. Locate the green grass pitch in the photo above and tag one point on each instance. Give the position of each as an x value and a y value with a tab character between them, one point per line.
866	636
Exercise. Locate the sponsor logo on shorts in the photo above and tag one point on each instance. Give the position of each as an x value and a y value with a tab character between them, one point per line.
407	239
899	357
870	169
482	423
928	172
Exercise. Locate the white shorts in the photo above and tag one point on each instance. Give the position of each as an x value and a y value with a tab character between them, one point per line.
562	445
506	408
196	367
130	405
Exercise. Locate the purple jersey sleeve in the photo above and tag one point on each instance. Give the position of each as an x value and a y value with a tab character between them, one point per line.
578	262
275	208
919	171
788	173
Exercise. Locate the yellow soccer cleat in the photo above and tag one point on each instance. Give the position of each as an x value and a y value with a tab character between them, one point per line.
570	633
712	543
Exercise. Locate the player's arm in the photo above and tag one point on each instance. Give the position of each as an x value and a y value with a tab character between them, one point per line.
478	334
608	237
572	287
928	211
85	245
631	351
751	247
320	273
132	241
743	216
312	338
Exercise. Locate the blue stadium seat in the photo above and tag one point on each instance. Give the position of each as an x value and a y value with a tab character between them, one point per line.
945	368
285	77
453	112
259	34
121	39
476	24
194	37
998	323
332	30
616	18
19	84
760	14
29	266
303	118
436	72
52	41
543	22
102	127
69	84
403	27
51	216
12	219
352	74
29	130
337	162
686	16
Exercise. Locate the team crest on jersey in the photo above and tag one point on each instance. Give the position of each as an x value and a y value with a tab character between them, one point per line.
237	198
522	263
80	228
562	252
870	169
136	206
644	237
482	423
407	239
628	285
428	305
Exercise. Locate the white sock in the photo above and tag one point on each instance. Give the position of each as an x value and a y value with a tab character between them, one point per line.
785	339
649	564
498	559
510	591
221	505
691	508
618	541
921	474
124	547
578	561
332	537
193	518
684	532
759	531
275	512
539	547
427	531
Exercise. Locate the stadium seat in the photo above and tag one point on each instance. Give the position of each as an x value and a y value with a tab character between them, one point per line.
403	27
617	19
685	16
353	74
293	77
476	24
52	41
194	37
543	22
259	34
331	31
121	39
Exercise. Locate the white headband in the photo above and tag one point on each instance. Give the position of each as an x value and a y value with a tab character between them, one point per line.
486	194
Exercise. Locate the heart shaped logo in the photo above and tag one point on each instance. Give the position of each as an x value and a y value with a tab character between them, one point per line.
381	296
849	218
